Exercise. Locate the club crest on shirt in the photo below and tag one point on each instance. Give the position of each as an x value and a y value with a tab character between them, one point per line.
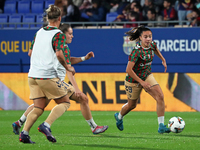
128	45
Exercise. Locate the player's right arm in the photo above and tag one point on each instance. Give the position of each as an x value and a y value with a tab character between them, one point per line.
133	75
133	57
73	81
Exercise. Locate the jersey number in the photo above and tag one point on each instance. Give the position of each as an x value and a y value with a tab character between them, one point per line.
128	89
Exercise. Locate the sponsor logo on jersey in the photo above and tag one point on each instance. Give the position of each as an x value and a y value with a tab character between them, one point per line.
149	63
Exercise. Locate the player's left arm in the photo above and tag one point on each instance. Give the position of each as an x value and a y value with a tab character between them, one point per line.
31	48
29	52
158	53
75	60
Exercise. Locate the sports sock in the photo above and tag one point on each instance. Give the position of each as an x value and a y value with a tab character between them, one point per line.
46	124
120	117
32	117
22	120
161	119
92	124
25	132
56	112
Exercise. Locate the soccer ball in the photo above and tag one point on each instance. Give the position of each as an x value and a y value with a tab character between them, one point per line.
176	124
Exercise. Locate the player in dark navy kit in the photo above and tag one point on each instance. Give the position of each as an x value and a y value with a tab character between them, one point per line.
139	76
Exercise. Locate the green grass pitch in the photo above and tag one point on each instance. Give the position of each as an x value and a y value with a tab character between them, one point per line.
73	133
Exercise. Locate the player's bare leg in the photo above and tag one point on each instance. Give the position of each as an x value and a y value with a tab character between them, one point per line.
157	94
86	112
17	125
126	108
85	109
130	105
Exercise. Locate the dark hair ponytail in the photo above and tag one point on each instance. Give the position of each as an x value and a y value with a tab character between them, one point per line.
64	27
135	33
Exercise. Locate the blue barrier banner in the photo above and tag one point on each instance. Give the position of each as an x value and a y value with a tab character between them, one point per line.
179	46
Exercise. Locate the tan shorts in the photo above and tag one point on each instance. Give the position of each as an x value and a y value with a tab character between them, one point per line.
51	89
133	90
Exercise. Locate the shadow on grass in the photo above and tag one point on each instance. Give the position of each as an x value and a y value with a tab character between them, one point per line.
185	135
112	146
97	136
122	137
136	136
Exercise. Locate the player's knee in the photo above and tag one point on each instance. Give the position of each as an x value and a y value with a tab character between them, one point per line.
133	106
38	111
66	106
83	99
160	97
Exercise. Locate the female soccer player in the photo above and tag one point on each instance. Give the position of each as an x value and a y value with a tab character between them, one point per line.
139	76
47	71
76	95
